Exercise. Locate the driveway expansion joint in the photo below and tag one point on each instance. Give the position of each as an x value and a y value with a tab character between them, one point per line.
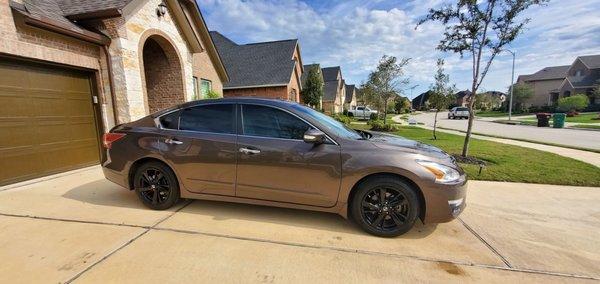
146	230
485	242
507	267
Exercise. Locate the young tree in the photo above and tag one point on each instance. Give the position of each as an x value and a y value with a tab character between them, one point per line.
441	93
312	91
481	28
402	104
386	81
521	93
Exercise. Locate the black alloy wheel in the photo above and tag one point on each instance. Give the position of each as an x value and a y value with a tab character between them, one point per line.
385	206
156	186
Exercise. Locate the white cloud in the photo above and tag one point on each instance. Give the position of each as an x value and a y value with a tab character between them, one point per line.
355	34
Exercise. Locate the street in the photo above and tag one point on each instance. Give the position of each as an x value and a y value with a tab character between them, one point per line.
568	137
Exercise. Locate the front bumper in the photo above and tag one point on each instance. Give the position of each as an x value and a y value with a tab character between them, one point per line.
443	203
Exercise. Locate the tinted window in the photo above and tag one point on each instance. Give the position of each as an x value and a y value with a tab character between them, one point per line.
462	109
360	108
270	122
328	123
170	121
218	118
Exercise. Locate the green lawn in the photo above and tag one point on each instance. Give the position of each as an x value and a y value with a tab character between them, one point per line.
590	126
511	163
584	118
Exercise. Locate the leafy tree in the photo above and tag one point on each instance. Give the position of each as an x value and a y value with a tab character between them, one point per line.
212	95
441	93
402	105
481	28
521	93
312	91
573	103
386	81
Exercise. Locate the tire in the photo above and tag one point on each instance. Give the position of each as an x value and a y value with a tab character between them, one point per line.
383	221
350	114
156	185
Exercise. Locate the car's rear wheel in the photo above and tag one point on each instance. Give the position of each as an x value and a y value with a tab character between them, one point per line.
350	114
385	206
156	185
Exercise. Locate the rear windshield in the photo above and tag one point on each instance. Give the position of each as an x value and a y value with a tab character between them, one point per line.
462	109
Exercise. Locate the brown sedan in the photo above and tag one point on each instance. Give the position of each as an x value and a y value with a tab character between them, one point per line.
277	153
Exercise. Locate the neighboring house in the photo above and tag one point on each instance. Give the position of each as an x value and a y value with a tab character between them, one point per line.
553	83
263	69
71	70
334	90
463	98
350	101
545	84
420	101
307	69
490	99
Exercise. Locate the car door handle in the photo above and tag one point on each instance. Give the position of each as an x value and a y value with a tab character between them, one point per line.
173	141
249	151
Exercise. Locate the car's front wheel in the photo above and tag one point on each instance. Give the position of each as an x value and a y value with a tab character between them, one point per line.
385	206
156	185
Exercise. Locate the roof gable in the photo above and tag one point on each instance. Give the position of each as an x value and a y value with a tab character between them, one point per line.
591	61
331	73
257	64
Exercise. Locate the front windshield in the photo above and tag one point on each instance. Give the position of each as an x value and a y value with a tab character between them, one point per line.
338	128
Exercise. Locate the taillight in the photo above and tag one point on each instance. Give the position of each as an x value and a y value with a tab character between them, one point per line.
109	138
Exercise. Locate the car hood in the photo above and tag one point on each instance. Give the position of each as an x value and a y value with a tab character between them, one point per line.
393	142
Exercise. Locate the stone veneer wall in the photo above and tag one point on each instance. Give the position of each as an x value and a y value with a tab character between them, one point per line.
267	92
128	36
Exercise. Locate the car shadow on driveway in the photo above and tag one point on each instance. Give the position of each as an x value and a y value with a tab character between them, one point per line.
104	193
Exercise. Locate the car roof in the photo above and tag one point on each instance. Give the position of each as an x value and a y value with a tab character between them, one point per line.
265	101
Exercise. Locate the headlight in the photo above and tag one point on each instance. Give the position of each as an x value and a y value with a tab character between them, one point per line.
443	174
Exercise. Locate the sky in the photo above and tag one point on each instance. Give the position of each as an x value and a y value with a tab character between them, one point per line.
355	34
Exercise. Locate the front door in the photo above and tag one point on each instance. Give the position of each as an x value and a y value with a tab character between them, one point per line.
276	164
201	142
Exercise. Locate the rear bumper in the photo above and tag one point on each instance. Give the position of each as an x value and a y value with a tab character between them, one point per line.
445	203
115	177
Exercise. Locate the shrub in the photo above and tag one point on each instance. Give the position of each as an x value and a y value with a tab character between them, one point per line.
374	116
343	118
345	111
573	103
378	125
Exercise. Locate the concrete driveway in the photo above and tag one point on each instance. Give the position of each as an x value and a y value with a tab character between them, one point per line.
570	137
77	227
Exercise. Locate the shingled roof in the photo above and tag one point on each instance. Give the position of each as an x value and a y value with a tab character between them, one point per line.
77	7
330	73
259	64
330	90
591	61
350	89
548	73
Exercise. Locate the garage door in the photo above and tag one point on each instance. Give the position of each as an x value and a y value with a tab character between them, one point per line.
47	121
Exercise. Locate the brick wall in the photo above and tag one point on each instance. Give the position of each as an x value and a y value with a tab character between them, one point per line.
164	85
269	92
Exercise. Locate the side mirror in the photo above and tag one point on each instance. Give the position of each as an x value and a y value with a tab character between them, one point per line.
314	136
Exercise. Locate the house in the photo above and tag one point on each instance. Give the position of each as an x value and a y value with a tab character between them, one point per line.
546	85
553	83
334	90
307	69
420	101
463	98
350	101
71	70
264	69
490	100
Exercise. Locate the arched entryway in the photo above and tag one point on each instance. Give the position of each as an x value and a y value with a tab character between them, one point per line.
163	74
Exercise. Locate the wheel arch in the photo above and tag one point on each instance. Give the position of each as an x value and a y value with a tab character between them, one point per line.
414	185
135	165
